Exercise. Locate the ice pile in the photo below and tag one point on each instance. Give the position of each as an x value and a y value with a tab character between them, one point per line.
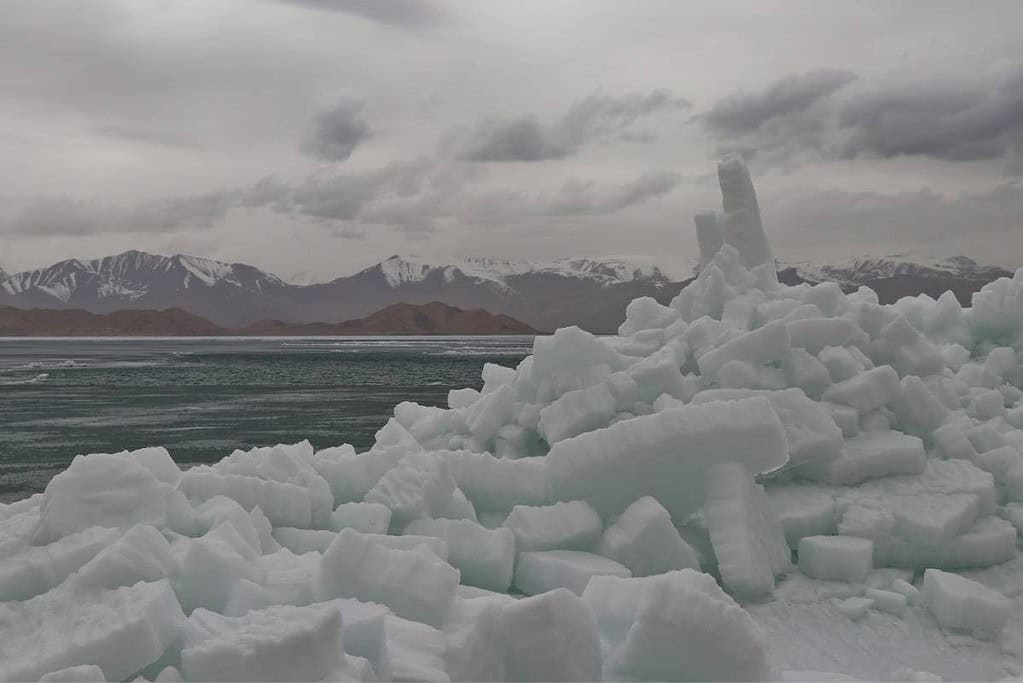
621	507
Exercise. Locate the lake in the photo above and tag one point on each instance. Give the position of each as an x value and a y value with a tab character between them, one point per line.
202	398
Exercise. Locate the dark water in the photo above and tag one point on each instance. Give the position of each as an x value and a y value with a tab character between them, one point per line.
202	398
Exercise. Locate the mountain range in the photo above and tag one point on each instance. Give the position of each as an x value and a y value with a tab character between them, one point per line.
589	292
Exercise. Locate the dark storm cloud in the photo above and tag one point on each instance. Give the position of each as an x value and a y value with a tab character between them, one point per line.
742	113
336	131
396	12
597	117
949	120
815	115
55	216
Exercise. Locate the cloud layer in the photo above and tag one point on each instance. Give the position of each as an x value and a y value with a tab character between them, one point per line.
598	117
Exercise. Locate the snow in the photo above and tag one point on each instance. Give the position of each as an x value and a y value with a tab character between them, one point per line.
624	507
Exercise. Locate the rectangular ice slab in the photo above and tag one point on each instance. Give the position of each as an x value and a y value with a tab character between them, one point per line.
535	624
768	343
960	603
121	631
664	455
866	391
644	539
415	584
836	558
573	525
871	454
485	557
539	572
748	540
274	644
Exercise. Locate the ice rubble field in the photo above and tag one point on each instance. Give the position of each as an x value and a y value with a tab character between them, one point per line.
755	482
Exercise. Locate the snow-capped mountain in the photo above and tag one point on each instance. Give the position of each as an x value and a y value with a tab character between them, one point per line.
862	270
608	270
589	292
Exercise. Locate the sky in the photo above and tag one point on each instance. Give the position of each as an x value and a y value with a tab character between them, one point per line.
313	138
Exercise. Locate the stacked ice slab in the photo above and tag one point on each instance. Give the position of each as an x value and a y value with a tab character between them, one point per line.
595	512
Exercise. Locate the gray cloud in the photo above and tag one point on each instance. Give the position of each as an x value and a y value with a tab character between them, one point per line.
595	118
980	225
742	113
336	131
396	12
56	216
949	120
816	116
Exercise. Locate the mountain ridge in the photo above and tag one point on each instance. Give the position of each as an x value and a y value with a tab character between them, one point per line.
591	292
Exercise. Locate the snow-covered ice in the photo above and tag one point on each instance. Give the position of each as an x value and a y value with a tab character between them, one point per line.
755	481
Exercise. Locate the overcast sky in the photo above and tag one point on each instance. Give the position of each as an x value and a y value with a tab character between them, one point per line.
312	138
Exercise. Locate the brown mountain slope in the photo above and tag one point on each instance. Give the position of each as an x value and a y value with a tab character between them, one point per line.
403	319
41	322
398	319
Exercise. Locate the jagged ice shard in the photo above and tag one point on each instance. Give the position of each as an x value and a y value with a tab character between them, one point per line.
739	224
756	481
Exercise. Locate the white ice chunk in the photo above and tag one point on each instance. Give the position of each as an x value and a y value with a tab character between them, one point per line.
871	454
420	486
740	225
415	651
120	631
866	391
542	571
283	504
687	628
748	540
416	584
803	511
645	313
476	640
142	554
500	483
836	558
301	541
664	455
576	412
855	608
961	603
644	539
39	568
534	624
573	525
274	644
369	518
485	557
762	345
102	490
887	601
810	430
211	565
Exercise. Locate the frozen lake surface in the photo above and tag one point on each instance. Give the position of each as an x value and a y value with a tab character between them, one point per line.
202	398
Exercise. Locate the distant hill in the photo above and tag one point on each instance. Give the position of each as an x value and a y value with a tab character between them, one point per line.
41	322
433	318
